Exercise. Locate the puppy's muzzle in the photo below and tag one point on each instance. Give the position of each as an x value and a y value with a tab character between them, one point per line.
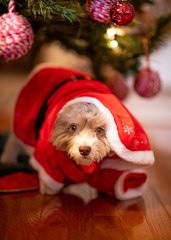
84	150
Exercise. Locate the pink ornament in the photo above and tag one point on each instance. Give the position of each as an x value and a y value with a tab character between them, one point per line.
118	86
147	83
99	10
16	34
122	13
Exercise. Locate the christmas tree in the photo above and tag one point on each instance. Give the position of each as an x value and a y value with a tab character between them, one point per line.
91	28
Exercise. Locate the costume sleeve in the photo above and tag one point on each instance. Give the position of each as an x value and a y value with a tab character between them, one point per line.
123	183
47	161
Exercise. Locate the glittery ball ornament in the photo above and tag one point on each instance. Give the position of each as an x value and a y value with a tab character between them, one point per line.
16	34
118	86
122	13
147	83
99	11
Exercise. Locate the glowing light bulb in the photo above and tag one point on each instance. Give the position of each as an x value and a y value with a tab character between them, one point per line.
120	32
111	32
114	43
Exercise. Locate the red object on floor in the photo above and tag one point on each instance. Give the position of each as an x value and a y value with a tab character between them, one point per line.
18	182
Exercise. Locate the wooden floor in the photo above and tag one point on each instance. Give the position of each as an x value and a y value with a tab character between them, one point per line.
80	213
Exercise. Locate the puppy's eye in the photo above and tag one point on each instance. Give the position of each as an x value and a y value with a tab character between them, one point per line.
73	127
99	130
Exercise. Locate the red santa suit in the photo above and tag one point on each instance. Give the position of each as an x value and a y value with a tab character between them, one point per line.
47	91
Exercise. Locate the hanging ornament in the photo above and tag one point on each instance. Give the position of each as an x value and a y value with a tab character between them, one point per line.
116	83
147	82
16	34
99	10
122	13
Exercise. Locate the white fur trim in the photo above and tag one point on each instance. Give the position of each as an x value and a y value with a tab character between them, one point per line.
136	157
51	183
132	192
118	164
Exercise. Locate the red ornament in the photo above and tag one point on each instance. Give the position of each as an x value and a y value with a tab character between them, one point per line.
147	83
99	10
118	86
16	34
122	13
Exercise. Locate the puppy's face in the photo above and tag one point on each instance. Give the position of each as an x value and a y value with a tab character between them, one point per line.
80	130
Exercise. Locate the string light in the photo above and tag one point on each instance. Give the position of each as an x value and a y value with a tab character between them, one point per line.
120	32
111	33
114	43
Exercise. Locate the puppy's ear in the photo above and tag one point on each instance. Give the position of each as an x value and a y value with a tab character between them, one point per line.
55	132
111	153
53	137
59	136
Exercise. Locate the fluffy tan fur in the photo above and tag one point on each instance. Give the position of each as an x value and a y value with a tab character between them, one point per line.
80	130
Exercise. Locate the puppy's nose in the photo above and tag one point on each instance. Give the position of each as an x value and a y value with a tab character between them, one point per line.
85	150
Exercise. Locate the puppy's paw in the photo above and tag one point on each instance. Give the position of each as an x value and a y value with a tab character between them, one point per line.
44	189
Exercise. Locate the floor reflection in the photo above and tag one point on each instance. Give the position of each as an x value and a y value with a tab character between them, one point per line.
69	217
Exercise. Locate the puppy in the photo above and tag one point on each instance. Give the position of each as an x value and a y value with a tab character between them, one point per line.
75	130
80	130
